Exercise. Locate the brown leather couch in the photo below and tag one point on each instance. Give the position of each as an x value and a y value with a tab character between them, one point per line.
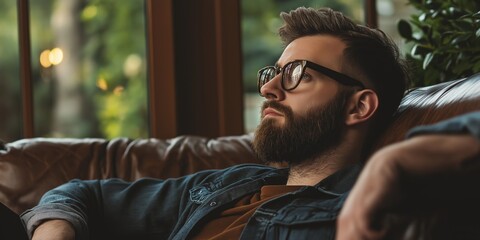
30	167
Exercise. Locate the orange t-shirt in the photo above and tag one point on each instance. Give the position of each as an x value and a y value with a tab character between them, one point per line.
230	223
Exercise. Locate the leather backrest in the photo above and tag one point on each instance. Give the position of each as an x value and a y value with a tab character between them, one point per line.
30	167
427	105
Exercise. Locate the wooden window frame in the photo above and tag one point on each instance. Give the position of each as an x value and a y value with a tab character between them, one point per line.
25	68
195	67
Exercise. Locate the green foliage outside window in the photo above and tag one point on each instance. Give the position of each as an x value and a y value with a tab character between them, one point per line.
115	35
105	55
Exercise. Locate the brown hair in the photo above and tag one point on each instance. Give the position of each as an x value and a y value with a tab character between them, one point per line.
369	54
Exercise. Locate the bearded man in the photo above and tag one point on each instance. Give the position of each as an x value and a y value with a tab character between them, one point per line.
334	88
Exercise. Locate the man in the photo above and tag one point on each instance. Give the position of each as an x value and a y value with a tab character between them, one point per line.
332	90
432	178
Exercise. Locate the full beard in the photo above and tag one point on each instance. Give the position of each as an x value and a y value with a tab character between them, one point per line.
301	137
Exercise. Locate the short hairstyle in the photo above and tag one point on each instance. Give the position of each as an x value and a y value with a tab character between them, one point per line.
369	54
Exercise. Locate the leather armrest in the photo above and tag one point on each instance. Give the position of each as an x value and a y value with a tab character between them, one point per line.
30	167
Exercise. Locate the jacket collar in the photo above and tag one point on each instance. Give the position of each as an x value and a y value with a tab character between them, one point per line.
341	181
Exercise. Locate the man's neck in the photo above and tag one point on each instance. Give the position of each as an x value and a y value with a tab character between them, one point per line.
312	171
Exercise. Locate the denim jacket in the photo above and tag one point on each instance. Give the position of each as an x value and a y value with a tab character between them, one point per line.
172	209
176	208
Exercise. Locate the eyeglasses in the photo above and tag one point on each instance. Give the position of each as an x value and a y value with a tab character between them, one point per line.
292	74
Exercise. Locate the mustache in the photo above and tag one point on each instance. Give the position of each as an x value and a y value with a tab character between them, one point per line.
277	106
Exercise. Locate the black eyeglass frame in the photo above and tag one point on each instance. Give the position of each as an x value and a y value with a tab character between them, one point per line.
337	76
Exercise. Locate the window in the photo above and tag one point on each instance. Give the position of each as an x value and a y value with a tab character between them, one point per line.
88	68
389	13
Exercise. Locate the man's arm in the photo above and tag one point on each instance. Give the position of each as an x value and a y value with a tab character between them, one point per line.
54	230
144	209
449	148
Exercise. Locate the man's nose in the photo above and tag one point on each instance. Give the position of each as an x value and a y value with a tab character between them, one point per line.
273	90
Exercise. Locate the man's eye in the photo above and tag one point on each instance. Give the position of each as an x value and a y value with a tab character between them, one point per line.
306	76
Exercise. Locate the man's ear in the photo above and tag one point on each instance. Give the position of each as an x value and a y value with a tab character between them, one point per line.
362	106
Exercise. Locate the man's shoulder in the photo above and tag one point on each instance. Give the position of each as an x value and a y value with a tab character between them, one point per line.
248	170
251	167
238	173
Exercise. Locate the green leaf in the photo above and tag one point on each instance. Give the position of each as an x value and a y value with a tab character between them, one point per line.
446	39
419	36
477	33
460	39
428	59
432	4
421	50
461	58
455	12
449	64
405	29
462	24
422	17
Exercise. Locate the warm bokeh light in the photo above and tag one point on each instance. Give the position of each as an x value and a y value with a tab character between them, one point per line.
51	57
132	65
118	90
102	84
44	59
56	56
89	12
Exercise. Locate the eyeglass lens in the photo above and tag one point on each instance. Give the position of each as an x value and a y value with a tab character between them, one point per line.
291	75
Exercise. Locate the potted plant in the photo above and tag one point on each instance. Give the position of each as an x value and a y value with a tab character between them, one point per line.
445	40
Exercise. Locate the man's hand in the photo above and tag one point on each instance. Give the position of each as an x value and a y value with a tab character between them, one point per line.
54	230
378	187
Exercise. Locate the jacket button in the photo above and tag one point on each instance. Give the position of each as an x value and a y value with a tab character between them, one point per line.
213	204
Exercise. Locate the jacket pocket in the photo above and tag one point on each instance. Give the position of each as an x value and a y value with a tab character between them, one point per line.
304	222
324	230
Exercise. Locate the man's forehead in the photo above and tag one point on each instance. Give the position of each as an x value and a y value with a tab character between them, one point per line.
322	49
